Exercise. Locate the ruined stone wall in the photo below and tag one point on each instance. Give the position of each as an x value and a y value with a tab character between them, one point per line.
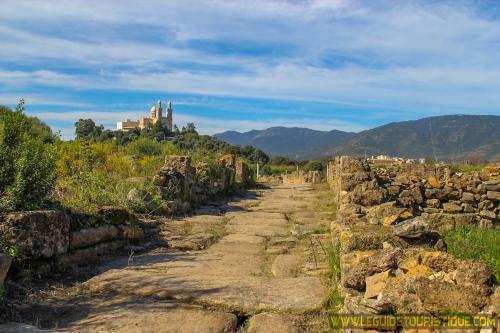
54	239
301	177
183	186
392	257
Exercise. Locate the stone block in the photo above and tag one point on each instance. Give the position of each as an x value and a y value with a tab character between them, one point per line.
91	236
37	234
451	208
376	283
493	195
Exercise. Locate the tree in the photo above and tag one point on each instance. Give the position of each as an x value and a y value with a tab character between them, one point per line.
313	166
86	129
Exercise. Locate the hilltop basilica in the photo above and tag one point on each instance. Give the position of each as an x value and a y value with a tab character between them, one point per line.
155	115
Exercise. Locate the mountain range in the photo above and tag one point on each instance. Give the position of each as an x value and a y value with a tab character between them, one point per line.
453	137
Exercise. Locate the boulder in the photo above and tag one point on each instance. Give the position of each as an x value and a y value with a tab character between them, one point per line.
5	262
443	194
412	228
438	261
37	234
91	236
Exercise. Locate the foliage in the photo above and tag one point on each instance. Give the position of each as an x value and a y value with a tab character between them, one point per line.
144	146
26	161
313	166
276	170
475	243
86	129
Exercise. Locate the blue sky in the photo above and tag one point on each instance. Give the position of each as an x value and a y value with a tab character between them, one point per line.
241	65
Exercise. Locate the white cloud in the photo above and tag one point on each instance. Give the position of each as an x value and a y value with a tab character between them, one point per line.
427	57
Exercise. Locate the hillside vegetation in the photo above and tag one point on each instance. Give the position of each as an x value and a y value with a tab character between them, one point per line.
98	168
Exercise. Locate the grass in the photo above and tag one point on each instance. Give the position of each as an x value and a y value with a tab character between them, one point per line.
476	243
334	301
466	168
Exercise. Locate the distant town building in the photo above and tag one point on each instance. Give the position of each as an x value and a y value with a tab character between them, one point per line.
155	115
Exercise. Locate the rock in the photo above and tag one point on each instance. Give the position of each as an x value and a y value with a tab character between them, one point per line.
122	315
492	185
493	195
487	214
438	261
91	236
116	215
5	262
473	273
376	283
419	294
450	221
131	232
434	182
286	265
37	234
451	208
357	265
412	228
271	323
467	208
443	194
419	270
377	214
485	224
438	296
88	255
435	203
468	197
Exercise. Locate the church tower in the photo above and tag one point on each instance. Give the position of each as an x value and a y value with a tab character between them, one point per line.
170	111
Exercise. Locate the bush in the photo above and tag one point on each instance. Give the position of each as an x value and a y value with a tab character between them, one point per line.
27	164
144	146
313	166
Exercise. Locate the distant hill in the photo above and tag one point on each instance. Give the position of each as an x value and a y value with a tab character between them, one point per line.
455	137
295	142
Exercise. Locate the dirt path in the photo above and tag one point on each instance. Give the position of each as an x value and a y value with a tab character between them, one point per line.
255	264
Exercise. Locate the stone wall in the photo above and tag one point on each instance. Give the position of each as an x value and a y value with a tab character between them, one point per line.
53	239
301	177
183	186
392	257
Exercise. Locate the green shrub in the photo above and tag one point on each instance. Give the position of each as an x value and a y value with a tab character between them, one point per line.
313	166
476	243
144	146
27	164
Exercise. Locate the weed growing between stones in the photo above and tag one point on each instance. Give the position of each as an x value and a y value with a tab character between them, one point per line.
476	243
334	301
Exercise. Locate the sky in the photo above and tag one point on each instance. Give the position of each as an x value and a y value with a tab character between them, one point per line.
242	65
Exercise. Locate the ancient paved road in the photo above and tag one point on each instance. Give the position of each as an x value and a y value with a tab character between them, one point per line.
266	272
